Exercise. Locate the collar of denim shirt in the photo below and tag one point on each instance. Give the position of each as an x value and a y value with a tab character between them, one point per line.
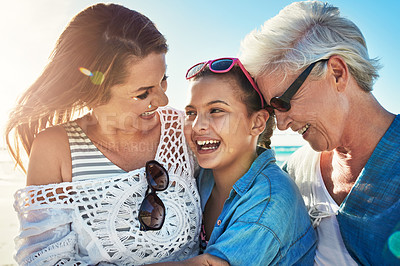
205	181
265	157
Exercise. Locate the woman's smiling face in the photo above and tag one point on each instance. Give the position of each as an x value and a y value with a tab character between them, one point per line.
133	104
217	124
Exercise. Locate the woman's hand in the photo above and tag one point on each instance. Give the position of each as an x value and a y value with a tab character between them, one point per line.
206	260
201	260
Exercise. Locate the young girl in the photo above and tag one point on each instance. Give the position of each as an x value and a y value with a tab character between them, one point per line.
253	213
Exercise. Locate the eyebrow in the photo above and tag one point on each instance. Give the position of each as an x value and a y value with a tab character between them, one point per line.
144	88
140	90
150	87
210	103
217	101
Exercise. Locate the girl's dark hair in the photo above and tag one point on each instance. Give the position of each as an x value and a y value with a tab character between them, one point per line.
102	41
249	97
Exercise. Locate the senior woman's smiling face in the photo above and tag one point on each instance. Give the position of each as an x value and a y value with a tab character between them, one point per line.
318	109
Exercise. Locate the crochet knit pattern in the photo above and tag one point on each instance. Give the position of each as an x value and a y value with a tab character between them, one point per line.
103	213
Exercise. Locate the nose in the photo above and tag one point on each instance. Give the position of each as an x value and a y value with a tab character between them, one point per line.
160	98
200	124
282	120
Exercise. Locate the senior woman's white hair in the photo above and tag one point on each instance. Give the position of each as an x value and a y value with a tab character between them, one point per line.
302	33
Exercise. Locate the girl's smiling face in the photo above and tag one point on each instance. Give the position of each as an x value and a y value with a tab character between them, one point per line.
217	123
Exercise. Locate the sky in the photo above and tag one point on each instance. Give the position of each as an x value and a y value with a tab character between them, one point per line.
195	30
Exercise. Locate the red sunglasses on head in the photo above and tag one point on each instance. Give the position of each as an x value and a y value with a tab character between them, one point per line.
223	65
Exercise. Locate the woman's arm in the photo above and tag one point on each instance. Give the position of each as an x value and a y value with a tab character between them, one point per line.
50	158
46	238
45	232
204	259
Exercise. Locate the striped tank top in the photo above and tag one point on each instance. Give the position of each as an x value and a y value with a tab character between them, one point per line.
87	160
99	209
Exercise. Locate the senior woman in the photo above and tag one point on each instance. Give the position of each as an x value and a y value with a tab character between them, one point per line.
313	68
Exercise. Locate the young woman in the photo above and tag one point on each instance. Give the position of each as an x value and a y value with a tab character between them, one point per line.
117	184
253	213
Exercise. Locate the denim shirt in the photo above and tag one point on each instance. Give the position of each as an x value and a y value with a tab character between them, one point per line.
264	220
369	217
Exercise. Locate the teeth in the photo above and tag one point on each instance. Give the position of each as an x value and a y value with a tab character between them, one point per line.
304	129
208	148
204	142
149	113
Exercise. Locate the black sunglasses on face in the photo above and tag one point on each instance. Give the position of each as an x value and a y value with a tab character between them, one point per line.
282	103
152	210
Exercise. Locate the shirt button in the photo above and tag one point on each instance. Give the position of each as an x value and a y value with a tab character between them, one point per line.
219	222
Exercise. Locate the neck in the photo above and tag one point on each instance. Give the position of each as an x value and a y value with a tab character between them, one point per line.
226	177
114	138
366	126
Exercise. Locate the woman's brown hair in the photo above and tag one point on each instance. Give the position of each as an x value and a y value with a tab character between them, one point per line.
89	58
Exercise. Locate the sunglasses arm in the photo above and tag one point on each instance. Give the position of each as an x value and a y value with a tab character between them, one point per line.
289	93
251	82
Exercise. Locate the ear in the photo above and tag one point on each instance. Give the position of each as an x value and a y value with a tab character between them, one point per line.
337	67
259	120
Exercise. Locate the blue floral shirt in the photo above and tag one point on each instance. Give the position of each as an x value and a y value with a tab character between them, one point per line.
264	220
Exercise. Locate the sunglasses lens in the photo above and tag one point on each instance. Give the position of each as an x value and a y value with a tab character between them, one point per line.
194	70
221	64
280	105
156	175
152	212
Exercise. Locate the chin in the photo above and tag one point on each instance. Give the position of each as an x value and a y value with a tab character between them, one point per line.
318	147
146	125
206	163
